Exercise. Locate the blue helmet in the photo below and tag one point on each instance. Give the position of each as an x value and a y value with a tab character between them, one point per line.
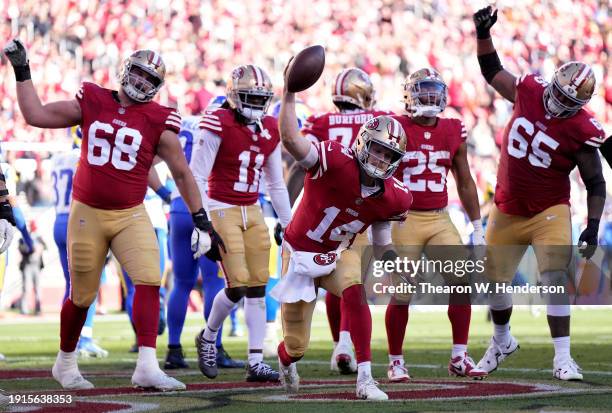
77	136
301	110
215	102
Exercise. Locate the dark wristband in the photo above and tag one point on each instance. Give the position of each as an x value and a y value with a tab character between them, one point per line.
6	212
200	220
490	65
4	192
22	73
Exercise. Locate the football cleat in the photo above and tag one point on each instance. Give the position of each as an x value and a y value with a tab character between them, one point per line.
207	356
2	358
224	361
134	348
175	359
464	366
566	369
155	378
261	372
343	359
397	372
289	377
88	348
66	372
496	353
367	389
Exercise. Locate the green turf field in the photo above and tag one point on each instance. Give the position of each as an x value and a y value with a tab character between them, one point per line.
32	345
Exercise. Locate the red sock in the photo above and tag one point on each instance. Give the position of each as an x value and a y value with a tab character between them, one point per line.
145	314
356	310
396	321
72	319
344	323
284	357
332	305
459	316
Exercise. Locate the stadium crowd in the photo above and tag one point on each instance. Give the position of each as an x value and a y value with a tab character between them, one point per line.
74	41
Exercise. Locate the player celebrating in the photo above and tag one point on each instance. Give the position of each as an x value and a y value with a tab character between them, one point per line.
353	94
122	132
548	135
436	145
237	144
62	174
346	191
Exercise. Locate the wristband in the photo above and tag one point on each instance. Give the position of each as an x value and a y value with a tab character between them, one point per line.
22	73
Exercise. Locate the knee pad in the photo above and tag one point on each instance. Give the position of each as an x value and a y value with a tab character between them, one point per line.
256	292
84	300
500	301
558	310
235	294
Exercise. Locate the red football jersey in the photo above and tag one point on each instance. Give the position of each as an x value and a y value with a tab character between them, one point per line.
429	156
538	152
337	126
118	147
332	211
235	175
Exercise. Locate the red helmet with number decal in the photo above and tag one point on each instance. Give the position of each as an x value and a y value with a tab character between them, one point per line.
571	88
380	146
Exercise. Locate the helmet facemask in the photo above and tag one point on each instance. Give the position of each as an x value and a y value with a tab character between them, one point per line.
560	103
425	97
379	160
140	83
253	104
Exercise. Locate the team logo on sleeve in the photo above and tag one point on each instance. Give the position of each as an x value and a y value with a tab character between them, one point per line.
325	259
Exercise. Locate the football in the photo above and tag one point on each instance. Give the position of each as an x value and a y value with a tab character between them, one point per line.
305	68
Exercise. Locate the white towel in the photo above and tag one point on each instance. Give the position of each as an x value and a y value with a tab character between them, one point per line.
298	283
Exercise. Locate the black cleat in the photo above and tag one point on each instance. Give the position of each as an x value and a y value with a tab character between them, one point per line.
207	356
224	361
134	348
261	372
175	359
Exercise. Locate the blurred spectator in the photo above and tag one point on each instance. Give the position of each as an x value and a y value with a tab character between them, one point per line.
31	264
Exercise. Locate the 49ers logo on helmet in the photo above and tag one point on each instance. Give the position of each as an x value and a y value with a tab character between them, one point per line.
372	124
325	259
238	73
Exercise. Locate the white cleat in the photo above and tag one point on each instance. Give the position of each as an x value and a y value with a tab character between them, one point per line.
343	359
464	366
88	348
289	377
367	389
155	378
566	369
66	372
497	353
397	372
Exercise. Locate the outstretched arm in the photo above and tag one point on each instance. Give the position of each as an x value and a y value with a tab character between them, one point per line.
60	114
491	68
297	145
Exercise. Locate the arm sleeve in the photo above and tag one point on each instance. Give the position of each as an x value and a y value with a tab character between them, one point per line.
202	160
312	159
381	233
22	227
276	186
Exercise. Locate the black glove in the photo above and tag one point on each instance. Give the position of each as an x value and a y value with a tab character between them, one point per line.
16	53
279	233
484	20
201	222
589	236
6	212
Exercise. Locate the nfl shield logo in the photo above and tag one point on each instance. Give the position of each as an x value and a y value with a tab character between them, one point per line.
121	111
427	135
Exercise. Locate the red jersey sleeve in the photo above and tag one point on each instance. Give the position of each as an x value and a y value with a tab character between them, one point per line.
329	153
591	132
315	126
172	121
86	96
